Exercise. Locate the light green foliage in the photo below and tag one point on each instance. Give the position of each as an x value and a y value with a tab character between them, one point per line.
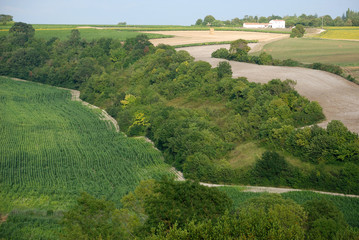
265	217
272	217
129	100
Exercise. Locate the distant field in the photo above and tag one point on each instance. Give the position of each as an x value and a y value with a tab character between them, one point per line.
339	52
341	33
349	206
52	149
122	32
88	33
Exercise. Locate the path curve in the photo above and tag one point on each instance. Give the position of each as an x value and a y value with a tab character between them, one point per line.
338	97
75	96
180	177
104	115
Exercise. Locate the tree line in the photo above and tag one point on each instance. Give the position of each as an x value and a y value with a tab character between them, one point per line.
349	18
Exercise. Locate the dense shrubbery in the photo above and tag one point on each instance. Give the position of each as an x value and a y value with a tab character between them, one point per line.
185	210
298	31
195	114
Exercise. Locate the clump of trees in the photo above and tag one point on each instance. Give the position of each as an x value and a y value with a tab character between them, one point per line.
298	31
6	19
186	210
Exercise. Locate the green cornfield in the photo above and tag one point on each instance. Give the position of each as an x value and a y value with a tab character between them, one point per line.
53	148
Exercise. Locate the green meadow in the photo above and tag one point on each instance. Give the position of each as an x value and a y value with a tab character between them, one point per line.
338	52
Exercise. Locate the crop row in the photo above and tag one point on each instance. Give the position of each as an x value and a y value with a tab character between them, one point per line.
53	143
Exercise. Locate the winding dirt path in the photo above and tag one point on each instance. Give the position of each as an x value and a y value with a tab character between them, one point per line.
75	96
189	37
104	115
338	97
179	177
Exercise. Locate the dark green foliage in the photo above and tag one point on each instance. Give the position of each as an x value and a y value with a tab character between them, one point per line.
327	67
224	70
298	31
272	169
180	202
324	219
221	53
24	225
21	33
4	19
265	59
92	219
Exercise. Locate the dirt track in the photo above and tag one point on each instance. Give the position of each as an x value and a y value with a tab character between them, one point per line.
188	37
179	177
338	97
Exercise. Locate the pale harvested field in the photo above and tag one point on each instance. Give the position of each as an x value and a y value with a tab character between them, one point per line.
188	37
338	97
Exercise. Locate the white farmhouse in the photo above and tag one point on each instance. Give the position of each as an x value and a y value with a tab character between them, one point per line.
255	25
277	23
271	24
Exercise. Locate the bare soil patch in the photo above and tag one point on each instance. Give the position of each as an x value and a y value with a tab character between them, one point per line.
189	37
3	218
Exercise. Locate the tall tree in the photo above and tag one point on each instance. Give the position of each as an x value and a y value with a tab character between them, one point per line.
22	32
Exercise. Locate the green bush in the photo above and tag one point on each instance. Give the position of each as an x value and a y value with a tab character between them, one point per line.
221	53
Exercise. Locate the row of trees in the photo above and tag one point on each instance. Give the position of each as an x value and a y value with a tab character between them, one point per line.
350	18
186	210
5	19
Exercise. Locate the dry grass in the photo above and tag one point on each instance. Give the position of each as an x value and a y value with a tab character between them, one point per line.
351	33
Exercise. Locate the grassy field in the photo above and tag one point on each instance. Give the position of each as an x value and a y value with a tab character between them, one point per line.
52	148
61	31
349	206
340	33
87	33
338	52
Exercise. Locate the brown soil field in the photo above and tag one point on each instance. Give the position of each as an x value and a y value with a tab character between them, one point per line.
189	37
338	97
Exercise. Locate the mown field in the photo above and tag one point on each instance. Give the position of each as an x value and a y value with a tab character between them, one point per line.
349	206
338	52
52	149
89	34
47	31
340	33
